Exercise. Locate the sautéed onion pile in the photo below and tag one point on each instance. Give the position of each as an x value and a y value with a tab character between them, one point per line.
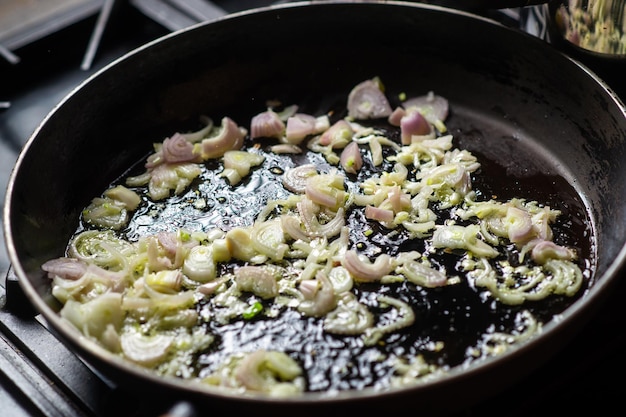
314	253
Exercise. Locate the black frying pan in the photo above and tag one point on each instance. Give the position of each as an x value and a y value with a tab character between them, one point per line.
532	110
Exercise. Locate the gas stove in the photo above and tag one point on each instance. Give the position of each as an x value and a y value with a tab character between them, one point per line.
39	376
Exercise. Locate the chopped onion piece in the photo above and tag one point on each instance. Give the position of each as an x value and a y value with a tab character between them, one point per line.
412	124
421	274
294	179
177	177
267	125
268	238
199	264
518	224
351	160
404	318
259	280
237	164
286	148
367	101
66	268
128	197
301	125
145	350
349	318
322	299
379	214
326	190
266	371
338	135
435	108
546	250
461	237
240	246
230	137
178	149
93	317
363	270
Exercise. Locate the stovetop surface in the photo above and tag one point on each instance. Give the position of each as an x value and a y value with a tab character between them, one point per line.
40	376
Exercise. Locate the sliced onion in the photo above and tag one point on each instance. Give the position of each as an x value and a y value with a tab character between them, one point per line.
294	179
379	214
367	101
351	160
413	123
376	151
210	287
146	350
168	282
338	135
230	137
547	249
404	318
102	248
422	275
323	298
267	125
363	270
120	193
259	280
197	136
462	237
199	264
349	318
326	190
178	149
286	148
237	164
167	177
292	226
268	238
239	244
518	224
341	279
93	317
265	371
308	288
301	125
435	108
66	268
395	118
308	213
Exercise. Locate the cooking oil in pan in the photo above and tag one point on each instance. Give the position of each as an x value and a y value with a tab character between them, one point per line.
454	324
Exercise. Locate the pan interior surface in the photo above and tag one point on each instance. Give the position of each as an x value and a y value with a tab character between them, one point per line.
558	134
